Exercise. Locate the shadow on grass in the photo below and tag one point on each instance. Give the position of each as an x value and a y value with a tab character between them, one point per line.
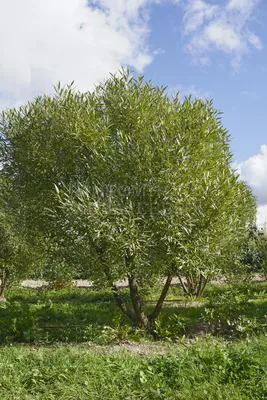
77	315
72	295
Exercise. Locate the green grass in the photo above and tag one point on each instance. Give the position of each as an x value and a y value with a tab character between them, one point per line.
51	316
80	315
197	370
74	348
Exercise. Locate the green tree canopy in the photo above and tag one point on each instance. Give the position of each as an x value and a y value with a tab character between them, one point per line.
132	184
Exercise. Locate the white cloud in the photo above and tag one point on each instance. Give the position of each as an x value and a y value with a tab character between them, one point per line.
224	28
254	172
262	216
45	41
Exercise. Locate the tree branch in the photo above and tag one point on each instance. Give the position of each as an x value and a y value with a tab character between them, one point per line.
204	286
122	305
182	284
119	299
161	299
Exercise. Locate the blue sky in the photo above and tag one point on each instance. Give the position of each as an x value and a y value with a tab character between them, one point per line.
239	91
210	48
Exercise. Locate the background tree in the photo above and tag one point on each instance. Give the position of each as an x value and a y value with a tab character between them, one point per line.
144	188
21	254
253	258
6	254
215	244
17	258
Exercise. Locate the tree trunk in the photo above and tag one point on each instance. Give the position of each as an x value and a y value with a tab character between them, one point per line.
203	287
161	299
142	320
119	299
137	315
182	284
4	278
122	305
194	286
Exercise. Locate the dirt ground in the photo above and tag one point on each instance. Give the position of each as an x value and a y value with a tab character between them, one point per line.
80	283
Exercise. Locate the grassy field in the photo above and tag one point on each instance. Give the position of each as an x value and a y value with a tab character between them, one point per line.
74	344
199	370
81	315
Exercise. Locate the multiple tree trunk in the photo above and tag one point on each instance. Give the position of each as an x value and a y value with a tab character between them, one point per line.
136	313
193	285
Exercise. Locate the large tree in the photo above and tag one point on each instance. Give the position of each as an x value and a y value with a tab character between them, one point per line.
130	183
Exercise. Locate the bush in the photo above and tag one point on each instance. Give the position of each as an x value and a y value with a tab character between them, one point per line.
171	327
18	322
226	313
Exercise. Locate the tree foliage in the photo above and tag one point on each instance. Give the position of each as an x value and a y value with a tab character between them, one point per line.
130	184
253	257
17	258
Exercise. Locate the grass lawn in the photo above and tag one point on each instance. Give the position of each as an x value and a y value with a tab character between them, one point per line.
199	370
75	344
